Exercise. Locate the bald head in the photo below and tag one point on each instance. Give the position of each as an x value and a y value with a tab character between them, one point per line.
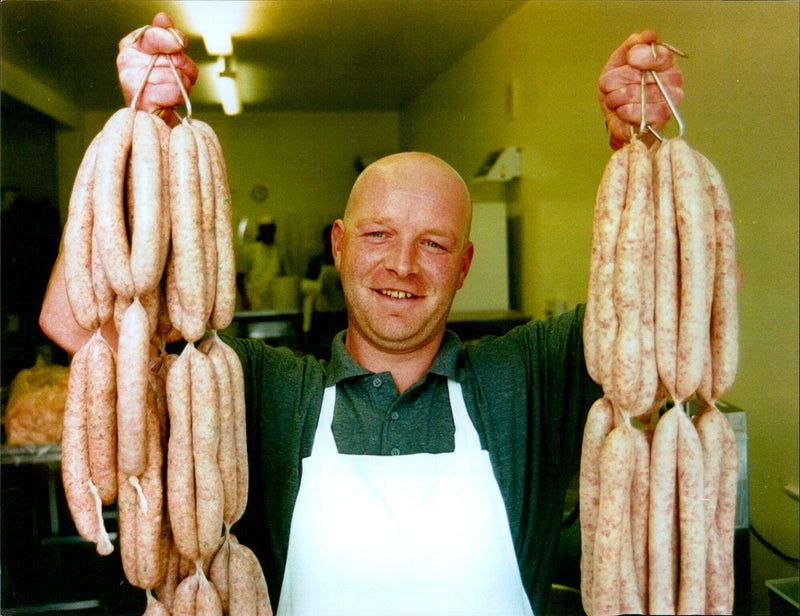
414	173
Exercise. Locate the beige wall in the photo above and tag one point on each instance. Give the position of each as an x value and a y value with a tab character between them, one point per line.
740	109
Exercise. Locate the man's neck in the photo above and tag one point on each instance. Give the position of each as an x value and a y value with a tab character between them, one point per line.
406	368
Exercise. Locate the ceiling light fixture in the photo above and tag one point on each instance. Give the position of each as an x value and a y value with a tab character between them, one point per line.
218	42
226	87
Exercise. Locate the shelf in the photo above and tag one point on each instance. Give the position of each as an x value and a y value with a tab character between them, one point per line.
49	608
49	453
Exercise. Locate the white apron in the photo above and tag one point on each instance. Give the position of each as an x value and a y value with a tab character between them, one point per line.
408	534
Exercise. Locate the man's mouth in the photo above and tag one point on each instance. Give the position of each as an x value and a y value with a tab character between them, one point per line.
394	294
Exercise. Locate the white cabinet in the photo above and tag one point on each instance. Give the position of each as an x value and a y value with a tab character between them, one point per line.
486	286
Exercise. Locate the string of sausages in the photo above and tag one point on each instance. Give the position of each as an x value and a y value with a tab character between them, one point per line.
148	243
658	488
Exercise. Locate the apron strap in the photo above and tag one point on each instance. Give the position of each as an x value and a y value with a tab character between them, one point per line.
466	437
323	438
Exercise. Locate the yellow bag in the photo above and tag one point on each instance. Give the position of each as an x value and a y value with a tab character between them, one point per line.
35	412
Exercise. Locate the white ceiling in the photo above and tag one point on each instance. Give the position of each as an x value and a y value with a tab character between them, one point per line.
289	54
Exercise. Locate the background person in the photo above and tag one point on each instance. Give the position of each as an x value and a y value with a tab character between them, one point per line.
258	264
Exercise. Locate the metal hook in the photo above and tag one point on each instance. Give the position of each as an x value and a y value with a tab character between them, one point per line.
186	100
643	122
144	81
671	105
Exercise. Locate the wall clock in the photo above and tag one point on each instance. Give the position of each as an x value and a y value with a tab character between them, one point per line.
259	193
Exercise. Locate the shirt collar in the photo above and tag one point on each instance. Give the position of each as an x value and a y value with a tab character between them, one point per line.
342	366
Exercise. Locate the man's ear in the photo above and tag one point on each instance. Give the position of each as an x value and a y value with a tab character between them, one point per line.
466	261
337	235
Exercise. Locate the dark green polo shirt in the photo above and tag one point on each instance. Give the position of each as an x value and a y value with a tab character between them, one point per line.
527	393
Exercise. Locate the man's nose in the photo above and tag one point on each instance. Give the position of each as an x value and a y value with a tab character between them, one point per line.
403	259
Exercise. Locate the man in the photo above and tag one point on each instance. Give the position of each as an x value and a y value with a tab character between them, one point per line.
408	475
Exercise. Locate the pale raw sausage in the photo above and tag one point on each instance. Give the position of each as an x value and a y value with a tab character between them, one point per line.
600	321
77	244
626	368
102	418
205	447
663	546
133	358
667	289
180	463
690	206
692	585
112	157
599	423
616	469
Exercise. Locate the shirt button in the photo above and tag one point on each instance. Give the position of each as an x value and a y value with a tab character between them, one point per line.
376	382
395	415
395	451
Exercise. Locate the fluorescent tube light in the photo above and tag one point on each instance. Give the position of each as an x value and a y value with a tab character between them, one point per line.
228	96
218	42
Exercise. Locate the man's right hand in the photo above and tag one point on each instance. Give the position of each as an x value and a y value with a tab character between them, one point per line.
161	92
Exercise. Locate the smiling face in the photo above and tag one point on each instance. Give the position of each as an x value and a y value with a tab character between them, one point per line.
403	251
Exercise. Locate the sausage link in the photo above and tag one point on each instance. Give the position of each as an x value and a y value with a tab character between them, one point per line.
208	209
616	469
127	507
151	560
649	381
626	368
726	512
600	320
667	298
630	598
690	213
164	135
205	448
662	544
102	418
225	292
146	188
166	590
112	157
82	498
187	231
599	423
180	463
77	244
102	288
263	605
226	457
133	358
692	586
705	387
240	430
724	314
640	503
175	310
208	602
155	607
242	587
185	603
121	304
218	573
709	431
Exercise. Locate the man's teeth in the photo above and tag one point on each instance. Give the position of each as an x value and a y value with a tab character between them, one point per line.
397	294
